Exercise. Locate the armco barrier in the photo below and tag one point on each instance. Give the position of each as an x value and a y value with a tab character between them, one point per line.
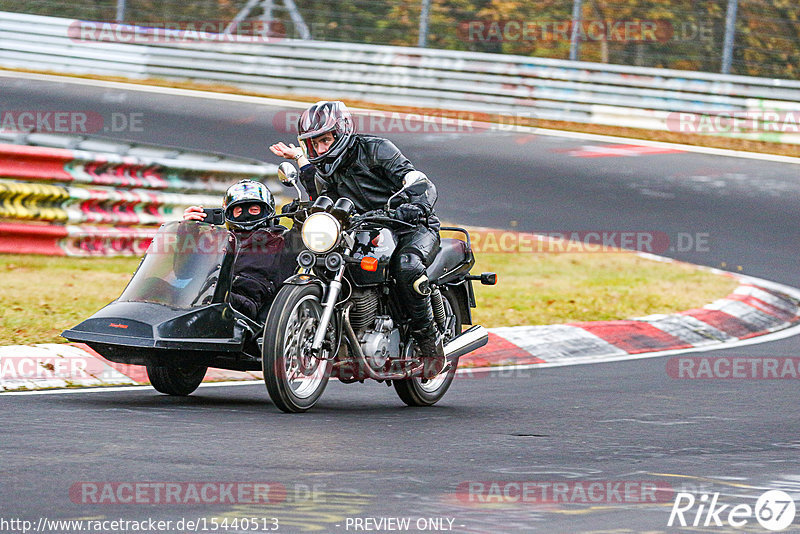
489	83
58	240
31	239
52	199
98	205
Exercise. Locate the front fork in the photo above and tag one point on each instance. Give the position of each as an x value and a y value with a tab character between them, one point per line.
334	289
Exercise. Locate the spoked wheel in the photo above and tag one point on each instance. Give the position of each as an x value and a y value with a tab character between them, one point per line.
427	391
295	378
173	380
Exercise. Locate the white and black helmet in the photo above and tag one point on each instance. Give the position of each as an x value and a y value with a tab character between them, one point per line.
244	194
319	119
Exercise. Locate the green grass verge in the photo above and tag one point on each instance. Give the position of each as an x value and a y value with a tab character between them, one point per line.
568	287
41	296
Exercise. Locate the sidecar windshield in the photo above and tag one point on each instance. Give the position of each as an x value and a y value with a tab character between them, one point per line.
187	264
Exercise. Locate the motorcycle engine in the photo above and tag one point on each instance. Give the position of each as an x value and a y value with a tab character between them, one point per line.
381	343
365	308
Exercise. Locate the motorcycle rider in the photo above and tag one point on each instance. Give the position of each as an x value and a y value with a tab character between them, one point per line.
264	259
337	162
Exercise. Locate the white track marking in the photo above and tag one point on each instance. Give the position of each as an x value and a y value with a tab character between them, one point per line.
143	387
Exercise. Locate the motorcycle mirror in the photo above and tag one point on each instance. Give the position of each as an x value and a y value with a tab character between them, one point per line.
287	174
413	177
413	181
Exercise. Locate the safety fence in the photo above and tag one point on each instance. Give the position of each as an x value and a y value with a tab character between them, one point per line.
515	86
73	201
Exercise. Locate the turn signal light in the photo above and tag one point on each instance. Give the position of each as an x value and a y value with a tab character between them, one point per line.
487	279
369	264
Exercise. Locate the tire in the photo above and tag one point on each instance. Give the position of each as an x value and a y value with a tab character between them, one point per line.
427	392
173	380
294	381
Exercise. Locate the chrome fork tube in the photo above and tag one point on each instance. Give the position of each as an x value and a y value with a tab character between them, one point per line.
334	289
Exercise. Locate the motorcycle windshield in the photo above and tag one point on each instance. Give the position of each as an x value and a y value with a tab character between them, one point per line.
186	265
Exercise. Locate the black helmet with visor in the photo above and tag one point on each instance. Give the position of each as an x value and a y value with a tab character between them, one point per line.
245	194
321	118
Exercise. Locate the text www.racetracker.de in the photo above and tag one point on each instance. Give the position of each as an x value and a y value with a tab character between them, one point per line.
121	526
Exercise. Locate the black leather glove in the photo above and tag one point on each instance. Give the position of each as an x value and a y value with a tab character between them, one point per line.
291	207
410	213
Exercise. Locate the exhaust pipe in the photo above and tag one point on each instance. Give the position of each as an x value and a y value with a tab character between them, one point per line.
472	339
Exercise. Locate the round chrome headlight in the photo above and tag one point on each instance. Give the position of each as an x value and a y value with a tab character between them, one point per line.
321	232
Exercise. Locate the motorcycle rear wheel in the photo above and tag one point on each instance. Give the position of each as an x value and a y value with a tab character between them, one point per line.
427	391
173	380
295	379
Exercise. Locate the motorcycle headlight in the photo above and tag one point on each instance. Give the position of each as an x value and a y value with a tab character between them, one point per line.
321	232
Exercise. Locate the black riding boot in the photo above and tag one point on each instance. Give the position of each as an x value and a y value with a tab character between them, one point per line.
429	343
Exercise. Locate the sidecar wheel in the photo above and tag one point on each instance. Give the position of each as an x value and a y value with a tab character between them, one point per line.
172	380
295	379
427	392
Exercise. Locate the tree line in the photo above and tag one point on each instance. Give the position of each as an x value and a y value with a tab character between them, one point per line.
676	34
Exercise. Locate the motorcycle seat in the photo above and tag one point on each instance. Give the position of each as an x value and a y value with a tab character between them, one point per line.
452	254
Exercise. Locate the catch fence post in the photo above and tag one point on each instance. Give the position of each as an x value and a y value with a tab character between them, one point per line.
730	31
423	23
574	44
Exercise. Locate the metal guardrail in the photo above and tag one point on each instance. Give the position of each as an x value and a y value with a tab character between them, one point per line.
541	88
53	186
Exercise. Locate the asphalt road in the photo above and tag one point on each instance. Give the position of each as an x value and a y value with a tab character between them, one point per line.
360	454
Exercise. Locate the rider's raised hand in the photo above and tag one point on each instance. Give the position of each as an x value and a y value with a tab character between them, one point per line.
286	151
194	213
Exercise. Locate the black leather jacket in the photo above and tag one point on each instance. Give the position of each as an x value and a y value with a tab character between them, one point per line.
371	173
265	258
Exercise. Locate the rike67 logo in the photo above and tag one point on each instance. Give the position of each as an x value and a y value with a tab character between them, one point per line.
774	510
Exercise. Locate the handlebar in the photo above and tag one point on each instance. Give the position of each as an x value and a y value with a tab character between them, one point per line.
301	206
379	216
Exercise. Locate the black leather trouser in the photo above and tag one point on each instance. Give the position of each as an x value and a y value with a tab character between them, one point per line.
415	251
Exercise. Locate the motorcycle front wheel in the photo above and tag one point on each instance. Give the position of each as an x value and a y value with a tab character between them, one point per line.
295	379
427	391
